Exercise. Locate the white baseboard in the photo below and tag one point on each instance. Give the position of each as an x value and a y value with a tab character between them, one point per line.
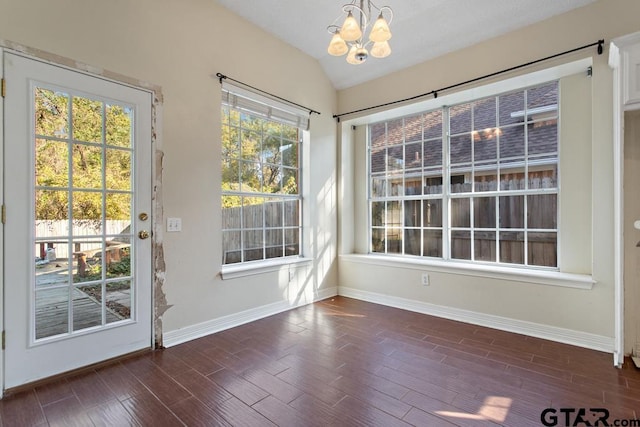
199	330
552	333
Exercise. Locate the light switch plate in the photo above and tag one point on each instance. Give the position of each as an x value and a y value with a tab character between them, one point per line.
174	224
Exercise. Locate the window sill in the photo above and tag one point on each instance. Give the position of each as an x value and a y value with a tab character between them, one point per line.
234	271
542	277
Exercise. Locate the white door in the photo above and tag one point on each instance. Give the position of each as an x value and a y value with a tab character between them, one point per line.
77	255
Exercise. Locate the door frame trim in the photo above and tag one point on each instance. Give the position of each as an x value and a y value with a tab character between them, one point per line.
159	303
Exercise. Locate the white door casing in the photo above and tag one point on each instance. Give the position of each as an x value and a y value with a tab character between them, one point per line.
87	277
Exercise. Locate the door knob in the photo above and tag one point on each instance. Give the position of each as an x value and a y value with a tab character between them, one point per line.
144	234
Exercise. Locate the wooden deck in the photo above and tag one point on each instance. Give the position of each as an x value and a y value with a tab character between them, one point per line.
52	314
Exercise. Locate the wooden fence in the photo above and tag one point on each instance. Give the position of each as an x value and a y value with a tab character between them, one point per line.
52	234
243	230
541	214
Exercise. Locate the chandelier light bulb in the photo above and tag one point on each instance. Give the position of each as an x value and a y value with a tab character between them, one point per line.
381	50
357	55
337	46
380	31
350	30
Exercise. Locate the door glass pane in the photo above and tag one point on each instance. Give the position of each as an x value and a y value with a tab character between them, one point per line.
51	113
52	312
117	257
87	213
51	262
87	307
118	212
118	301
119	124
87	119
118	169
52	213
83	216
87	260
87	166
52	163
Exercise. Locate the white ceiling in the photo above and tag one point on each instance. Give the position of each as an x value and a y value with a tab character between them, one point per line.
422	29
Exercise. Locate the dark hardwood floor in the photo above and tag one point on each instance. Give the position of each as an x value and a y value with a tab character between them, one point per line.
342	362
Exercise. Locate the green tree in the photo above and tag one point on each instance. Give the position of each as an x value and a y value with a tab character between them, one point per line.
258	156
69	133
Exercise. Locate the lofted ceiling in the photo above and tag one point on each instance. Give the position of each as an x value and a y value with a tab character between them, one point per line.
422	29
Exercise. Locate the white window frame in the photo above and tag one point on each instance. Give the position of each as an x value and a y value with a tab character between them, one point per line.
447	195
239	98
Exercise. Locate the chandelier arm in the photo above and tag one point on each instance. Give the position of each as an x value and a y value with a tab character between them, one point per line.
349	7
390	13
332	29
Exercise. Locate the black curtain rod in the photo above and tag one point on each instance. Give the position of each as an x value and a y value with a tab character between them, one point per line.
599	43
221	77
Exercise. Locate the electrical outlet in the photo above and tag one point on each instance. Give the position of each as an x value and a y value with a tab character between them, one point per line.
425	279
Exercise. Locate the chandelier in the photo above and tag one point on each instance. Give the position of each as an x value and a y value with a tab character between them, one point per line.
350	37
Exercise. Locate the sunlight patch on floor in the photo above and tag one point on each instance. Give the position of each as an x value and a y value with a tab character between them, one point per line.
495	408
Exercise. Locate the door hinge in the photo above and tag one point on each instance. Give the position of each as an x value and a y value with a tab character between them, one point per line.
4	215
4	88
3	339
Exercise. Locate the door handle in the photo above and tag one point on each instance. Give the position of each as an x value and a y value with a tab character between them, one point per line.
144	234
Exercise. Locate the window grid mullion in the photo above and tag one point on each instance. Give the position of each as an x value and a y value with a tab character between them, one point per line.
526	180
446	190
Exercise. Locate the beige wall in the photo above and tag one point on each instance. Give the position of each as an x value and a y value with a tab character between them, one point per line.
590	227
180	45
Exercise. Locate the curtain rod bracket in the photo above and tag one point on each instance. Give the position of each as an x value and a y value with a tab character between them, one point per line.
600	46
220	77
